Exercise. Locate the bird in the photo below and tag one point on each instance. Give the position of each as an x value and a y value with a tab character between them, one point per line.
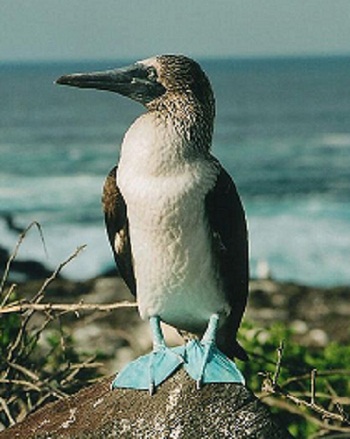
175	221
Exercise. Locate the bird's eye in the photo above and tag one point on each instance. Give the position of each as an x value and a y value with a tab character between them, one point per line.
151	73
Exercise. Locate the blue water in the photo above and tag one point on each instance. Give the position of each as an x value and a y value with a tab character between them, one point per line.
282	131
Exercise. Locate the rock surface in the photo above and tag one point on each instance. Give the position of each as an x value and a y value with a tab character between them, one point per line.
177	410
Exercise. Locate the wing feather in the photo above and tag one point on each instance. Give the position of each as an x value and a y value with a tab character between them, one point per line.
117	227
229	235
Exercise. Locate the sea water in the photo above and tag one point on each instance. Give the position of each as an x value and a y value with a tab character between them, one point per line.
282	131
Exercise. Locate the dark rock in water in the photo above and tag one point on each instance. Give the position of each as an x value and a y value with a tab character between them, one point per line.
23	269
177	410
10	222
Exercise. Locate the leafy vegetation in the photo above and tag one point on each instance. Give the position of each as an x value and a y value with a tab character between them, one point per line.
309	389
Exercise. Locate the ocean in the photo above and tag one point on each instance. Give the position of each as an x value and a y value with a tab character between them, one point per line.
282	131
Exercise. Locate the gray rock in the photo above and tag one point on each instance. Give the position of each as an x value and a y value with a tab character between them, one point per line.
177	410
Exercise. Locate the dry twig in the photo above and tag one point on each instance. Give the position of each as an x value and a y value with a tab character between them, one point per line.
16	249
272	387
65	307
22	389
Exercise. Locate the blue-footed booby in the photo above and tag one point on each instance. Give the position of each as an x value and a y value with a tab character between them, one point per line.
175	221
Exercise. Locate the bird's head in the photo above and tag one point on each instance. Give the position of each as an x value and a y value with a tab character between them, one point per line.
155	82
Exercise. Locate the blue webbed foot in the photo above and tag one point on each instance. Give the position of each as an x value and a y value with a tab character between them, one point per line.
206	364
149	371
212	368
202	360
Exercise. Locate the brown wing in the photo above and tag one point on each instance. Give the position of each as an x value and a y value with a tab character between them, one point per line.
228	230
117	227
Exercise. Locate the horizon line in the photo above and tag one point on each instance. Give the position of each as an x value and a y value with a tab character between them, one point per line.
257	57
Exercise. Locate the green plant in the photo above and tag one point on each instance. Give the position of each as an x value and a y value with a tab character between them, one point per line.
308	388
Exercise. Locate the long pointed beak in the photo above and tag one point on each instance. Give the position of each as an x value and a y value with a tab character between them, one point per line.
133	82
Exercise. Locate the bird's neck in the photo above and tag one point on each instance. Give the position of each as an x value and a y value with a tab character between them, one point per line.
159	143
192	120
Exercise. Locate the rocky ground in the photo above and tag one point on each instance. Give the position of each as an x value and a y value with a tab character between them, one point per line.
176	410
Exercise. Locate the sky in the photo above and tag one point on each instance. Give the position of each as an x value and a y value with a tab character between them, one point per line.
44	30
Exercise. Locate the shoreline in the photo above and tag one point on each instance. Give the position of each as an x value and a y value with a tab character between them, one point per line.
316	315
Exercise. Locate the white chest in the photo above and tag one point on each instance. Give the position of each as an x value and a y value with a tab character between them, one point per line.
169	233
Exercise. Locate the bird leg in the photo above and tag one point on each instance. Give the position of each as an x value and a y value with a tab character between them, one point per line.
149	371
208	342
163	361
206	364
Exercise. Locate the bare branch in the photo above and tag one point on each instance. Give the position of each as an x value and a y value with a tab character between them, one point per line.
271	387
76	368
66	307
8	294
54	275
313	385
7	411
278	364
16	249
19	338
295	409
22	383
320	373
24	371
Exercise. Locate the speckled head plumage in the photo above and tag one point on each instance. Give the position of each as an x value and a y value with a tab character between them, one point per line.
173	85
188	97
181	75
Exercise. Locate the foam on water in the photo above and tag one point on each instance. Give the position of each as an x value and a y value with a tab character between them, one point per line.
52	193
303	242
61	241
